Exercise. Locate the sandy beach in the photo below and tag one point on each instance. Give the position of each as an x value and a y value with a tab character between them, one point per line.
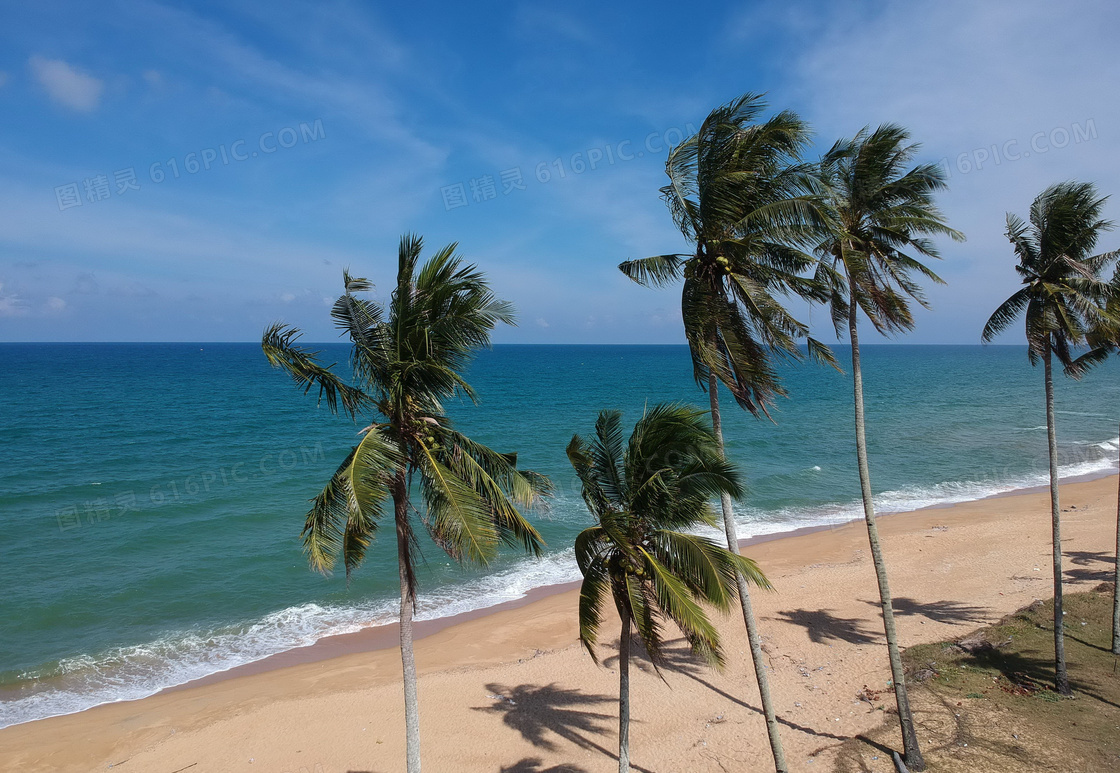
511	690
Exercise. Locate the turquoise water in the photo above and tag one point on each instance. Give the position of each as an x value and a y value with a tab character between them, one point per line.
151	495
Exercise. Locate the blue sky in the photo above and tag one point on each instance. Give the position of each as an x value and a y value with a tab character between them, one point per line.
308	136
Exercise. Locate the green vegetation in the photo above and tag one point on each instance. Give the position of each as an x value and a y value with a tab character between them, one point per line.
882	214
646	495
985	702
850	233
739	191
405	365
1064	301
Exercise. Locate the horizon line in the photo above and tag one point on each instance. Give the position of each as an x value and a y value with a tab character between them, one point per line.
555	343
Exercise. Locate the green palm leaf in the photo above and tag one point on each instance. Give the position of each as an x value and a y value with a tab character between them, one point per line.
406	363
661	480
279	346
881	211
1066	303
325	527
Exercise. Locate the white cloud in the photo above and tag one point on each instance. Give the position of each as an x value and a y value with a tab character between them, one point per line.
11	305
966	79
542	322
287	297
238	64
67	86
54	303
153	78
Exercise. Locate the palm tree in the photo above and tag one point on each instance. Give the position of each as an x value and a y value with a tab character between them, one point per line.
883	213
646	495
1065	301
405	365
738	192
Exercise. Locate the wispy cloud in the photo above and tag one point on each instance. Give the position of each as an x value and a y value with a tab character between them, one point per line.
413	102
66	85
233	63
11	304
968	80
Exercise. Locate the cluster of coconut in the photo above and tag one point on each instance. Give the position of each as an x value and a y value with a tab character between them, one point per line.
621	564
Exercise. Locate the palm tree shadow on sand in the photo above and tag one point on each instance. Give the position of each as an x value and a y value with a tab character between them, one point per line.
535	711
679	659
1086	571
822	625
938	611
533	765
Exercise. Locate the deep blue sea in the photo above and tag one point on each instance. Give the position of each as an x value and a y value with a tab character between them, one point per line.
152	495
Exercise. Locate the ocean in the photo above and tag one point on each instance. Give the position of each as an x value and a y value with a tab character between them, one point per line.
152	495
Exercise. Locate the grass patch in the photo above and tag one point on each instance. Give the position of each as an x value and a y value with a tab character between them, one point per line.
991	705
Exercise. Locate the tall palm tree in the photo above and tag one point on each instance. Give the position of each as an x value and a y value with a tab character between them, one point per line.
738	192
883	214
1064	300
405	365
646	494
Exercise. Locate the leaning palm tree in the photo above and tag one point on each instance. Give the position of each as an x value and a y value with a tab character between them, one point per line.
1065	301
405	365
883	214
646	495
738	192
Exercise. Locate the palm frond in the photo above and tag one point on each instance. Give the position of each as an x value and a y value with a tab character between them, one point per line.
594	589
656	271
279	346
1007	312
324	529
1067	304
675	598
664	479
458	518
373	462
607	451
408	361
633	598
500	486
884	213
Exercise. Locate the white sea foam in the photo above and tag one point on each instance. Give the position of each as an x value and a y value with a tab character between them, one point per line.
131	673
753	523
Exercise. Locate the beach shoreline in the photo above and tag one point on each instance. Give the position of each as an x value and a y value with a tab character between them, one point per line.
381	637
952	570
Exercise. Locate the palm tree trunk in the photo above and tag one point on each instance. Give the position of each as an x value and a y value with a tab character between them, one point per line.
408	606
1061	678
624	696
745	598
1116	586
909	736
